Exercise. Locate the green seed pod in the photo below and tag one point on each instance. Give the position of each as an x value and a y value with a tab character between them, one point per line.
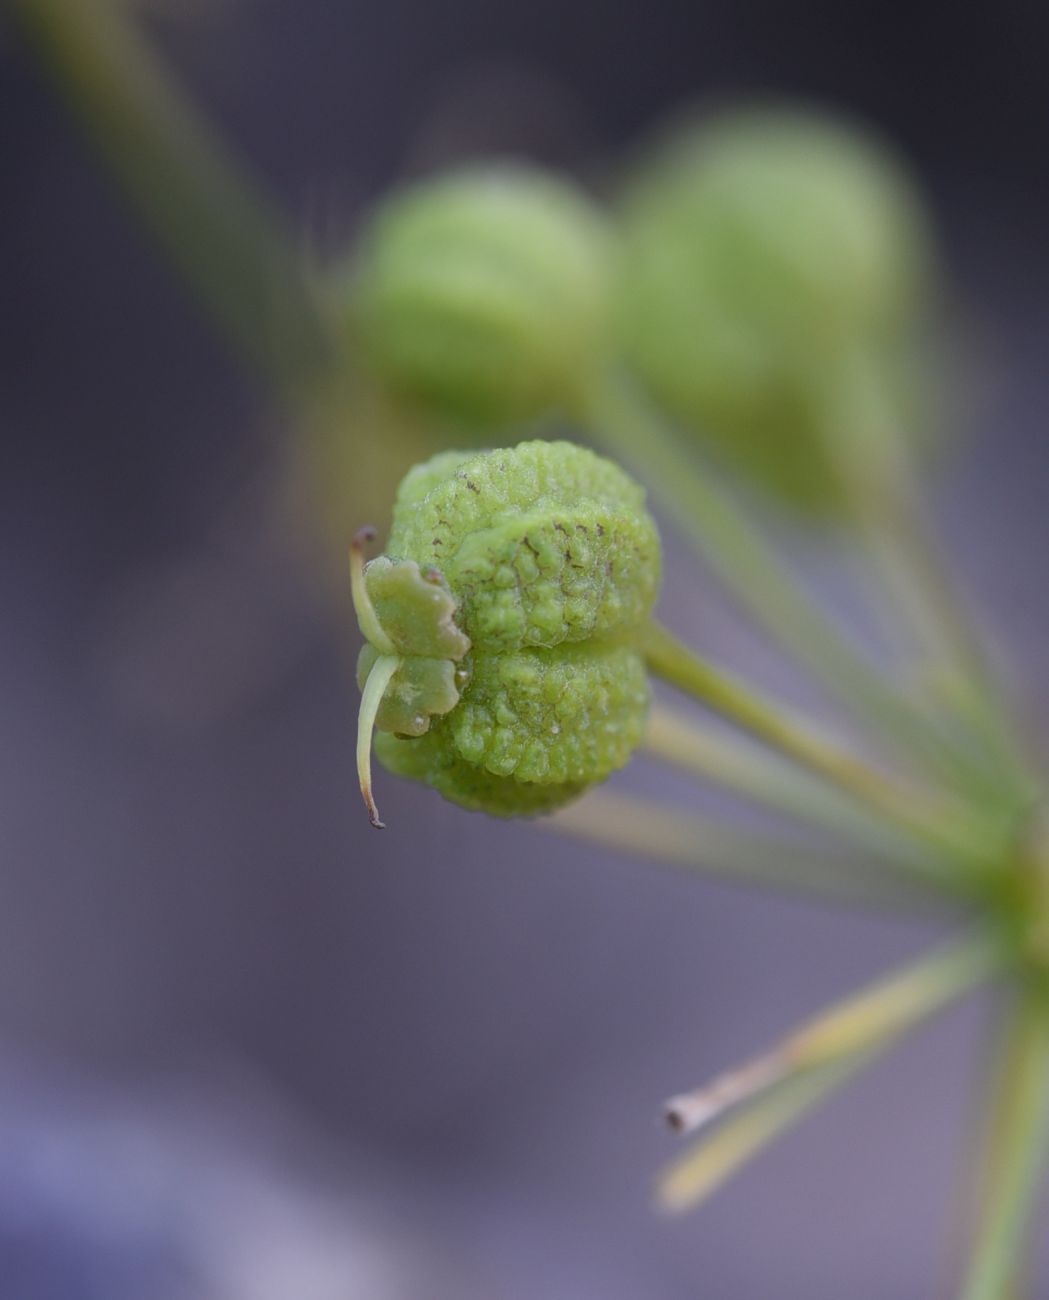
481	296
764	251
502	663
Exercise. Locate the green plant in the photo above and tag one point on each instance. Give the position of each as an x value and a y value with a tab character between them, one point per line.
772	257
764	315
503	660
481	296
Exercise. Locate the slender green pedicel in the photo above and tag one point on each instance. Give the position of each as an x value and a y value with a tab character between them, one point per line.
502	663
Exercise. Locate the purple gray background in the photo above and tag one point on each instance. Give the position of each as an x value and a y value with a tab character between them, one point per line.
248	1049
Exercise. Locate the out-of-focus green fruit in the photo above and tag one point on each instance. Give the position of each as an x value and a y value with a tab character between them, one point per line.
763	253
481	296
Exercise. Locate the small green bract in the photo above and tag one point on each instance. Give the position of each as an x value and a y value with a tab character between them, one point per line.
502	663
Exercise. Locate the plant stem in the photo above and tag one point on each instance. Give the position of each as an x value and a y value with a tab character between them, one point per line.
695	1176
876	472
862	1023
643	828
214	225
1016	1153
821	1058
751	569
748	770
941	827
230	245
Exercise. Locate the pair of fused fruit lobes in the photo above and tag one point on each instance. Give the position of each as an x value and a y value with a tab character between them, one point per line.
503	625
749	264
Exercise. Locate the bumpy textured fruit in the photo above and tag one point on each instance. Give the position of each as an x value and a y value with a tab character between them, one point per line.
481	296
511	599
763	251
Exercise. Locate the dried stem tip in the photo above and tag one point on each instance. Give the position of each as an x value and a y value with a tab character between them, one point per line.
690	1111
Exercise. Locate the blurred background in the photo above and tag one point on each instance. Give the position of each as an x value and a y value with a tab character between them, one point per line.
250	1050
